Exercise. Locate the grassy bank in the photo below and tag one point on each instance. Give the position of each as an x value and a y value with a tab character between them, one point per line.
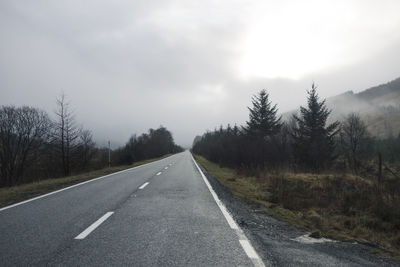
14	194
340	206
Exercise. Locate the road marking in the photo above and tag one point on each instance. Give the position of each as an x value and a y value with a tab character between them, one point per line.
248	248
75	185
158	173
221	205
244	242
166	168
94	225
144	185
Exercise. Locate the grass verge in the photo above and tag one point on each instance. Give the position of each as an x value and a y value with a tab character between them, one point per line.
343	207
14	194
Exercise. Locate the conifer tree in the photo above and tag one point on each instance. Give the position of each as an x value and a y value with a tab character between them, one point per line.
263	121
313	140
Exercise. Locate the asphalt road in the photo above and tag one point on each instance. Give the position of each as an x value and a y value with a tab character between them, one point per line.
160	214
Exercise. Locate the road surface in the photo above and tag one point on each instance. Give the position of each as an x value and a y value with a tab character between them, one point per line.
159	214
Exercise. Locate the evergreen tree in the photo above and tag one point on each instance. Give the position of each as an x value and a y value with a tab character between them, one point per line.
263	121
313	140
155	143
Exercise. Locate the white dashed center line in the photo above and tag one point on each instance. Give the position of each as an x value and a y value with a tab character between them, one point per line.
94	225
158	173
144	185
166	167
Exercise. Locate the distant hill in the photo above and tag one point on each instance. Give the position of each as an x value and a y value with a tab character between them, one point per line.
378	106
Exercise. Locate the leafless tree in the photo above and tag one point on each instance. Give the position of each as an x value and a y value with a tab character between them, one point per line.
353	133
22	131
86	148
66	133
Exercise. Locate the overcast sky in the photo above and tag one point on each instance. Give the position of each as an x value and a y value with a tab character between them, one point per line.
126	66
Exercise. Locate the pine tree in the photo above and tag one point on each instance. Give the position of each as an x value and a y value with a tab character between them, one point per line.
263	121
313	140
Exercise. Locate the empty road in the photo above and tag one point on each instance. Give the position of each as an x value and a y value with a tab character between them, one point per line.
159	214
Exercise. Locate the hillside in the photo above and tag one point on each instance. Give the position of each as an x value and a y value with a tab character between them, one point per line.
379	107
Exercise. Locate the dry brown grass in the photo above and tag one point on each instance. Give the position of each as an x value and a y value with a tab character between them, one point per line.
340	206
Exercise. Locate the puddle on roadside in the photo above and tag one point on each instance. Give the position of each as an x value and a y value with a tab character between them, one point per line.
306	239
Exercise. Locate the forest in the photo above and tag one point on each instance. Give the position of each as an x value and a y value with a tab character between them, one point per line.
335	178
305	142
34	147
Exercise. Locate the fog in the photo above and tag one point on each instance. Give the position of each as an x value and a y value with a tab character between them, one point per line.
127	66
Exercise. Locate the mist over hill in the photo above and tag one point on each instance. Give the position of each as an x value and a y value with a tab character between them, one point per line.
378	106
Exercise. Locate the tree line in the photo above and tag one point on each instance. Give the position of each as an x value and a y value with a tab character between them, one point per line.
34	146
335	174
305	142
155	143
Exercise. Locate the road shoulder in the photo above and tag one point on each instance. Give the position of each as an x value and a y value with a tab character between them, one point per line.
279	243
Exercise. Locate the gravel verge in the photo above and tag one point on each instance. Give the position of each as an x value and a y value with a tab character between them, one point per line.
281	244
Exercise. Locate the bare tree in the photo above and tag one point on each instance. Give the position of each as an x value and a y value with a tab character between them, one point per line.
66	133
353	133
22	131
86	148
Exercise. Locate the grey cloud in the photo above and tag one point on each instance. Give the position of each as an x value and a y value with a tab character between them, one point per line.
127	66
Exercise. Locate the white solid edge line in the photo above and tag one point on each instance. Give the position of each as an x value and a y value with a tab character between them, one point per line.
144	185
75	185
94	225
226	214
248	248
158	173
244	242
